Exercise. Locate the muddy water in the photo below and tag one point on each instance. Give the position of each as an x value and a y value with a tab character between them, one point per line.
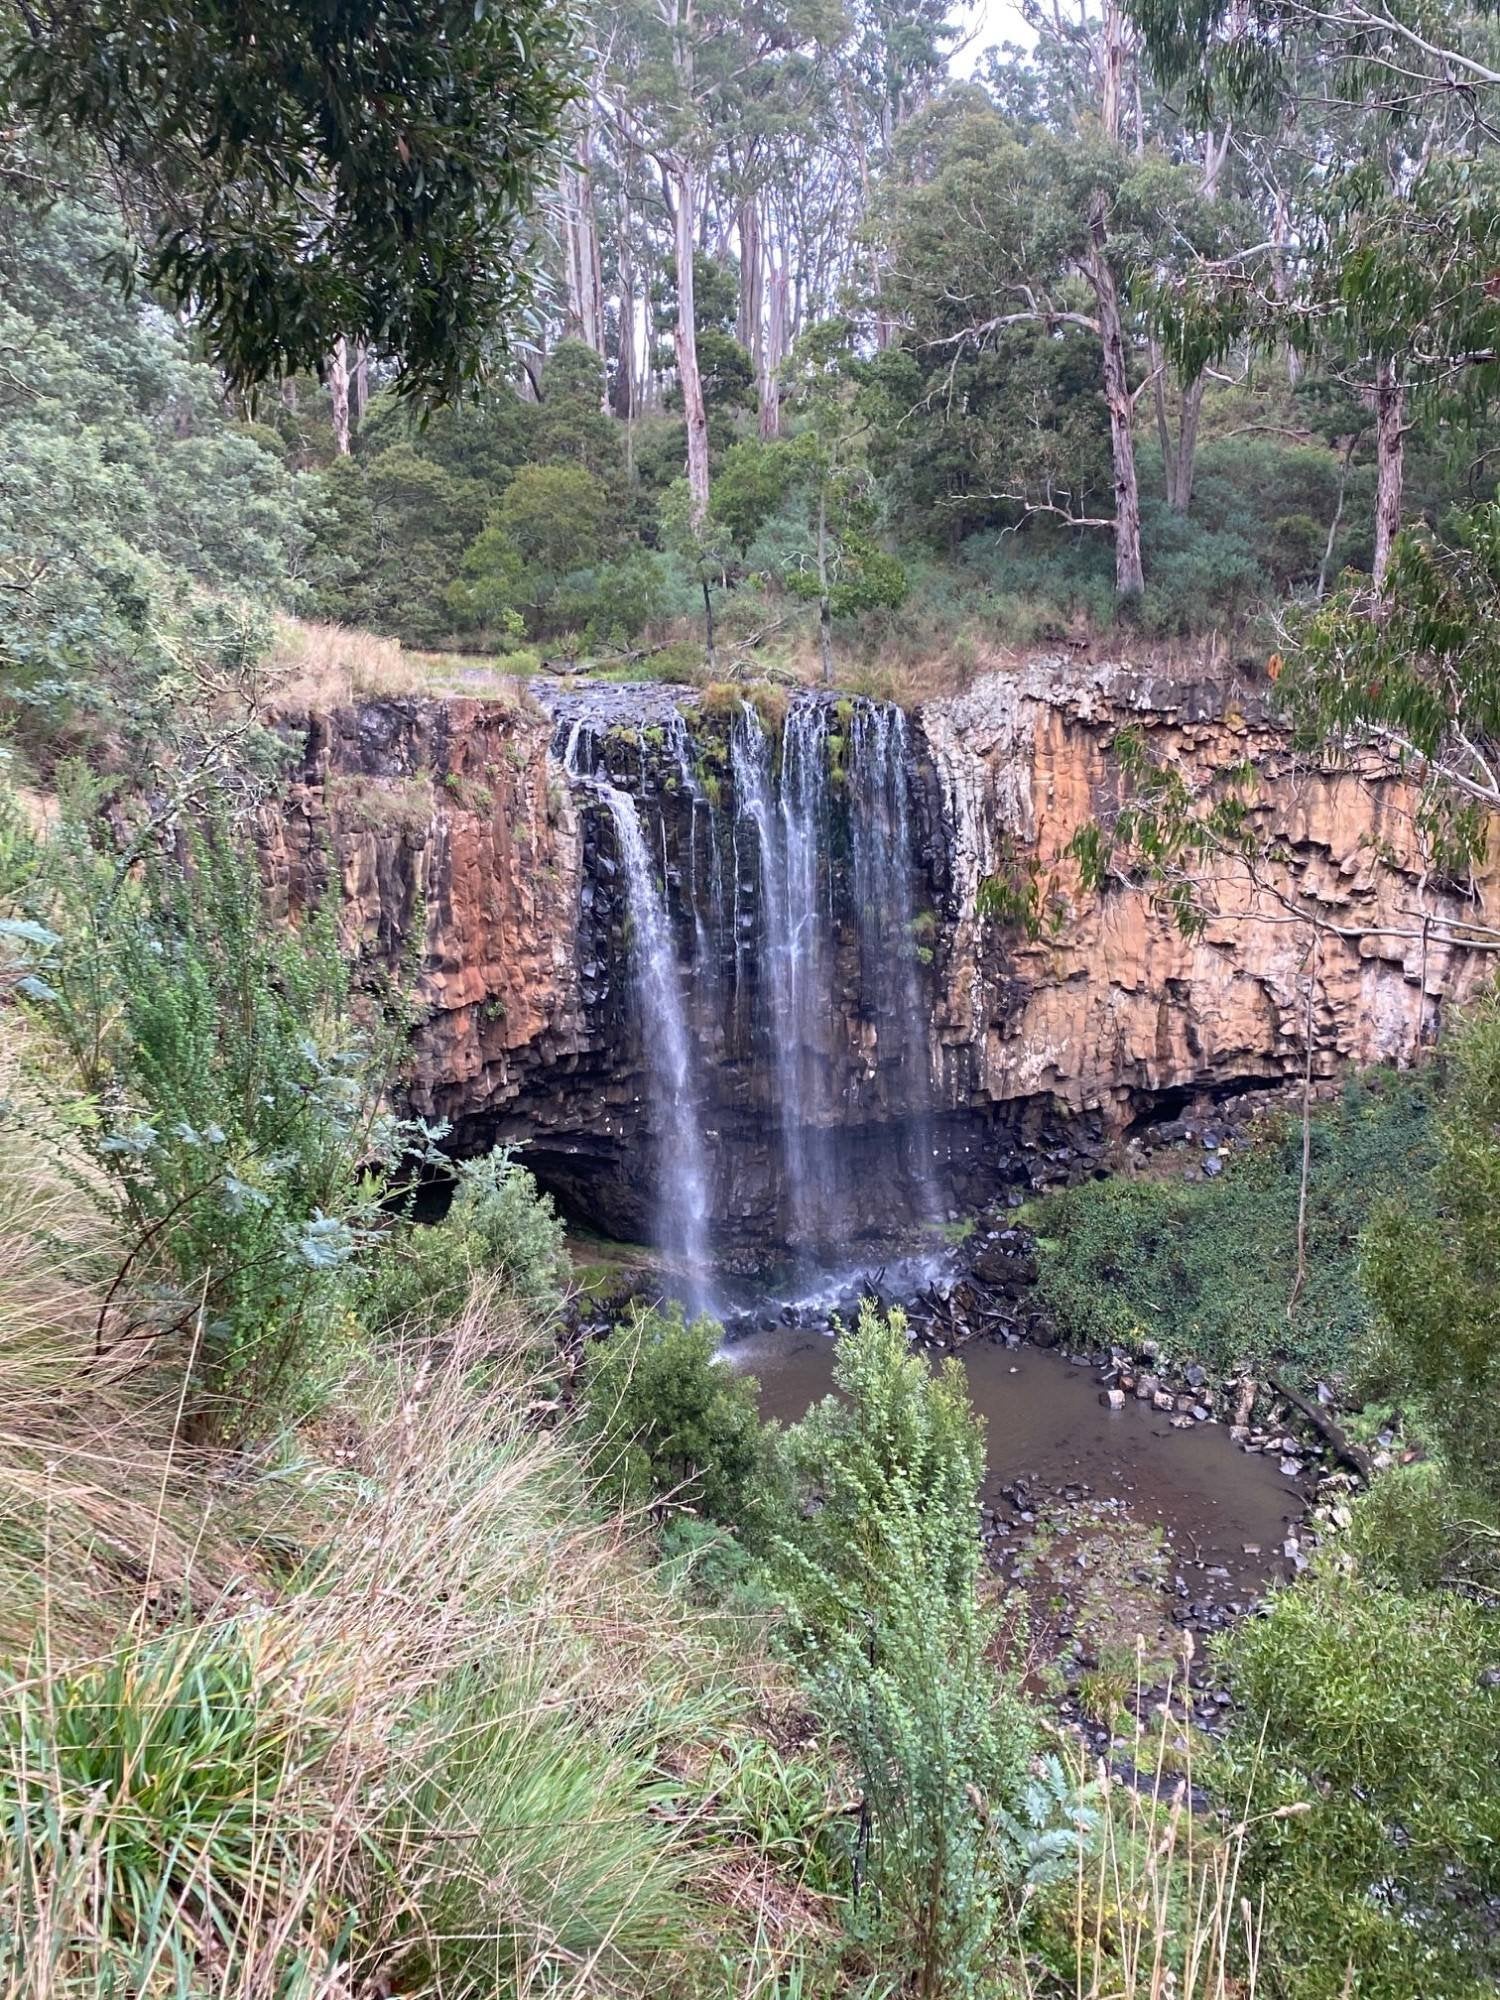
1220	1509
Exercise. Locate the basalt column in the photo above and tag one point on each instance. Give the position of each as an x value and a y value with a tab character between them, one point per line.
761	897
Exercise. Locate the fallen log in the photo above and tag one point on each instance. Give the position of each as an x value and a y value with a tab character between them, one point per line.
1339	1443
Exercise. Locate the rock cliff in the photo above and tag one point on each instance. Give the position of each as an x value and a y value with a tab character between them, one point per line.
818	881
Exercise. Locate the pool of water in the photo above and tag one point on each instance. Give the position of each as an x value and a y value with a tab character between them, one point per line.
1223	1512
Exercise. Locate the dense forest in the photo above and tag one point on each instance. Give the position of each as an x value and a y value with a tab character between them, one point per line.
371	1622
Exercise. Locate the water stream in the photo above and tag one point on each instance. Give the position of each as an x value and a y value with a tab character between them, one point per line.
775	953
682	1186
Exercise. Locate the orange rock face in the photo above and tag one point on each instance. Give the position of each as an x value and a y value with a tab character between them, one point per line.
1115	1003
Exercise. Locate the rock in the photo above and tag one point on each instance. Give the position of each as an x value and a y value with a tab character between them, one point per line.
1162	1399
1291	1467
1213	1166
1113	1399
1195	1376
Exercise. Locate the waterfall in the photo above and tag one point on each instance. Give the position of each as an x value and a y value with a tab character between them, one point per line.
775	944
890	939
681	1192
780	946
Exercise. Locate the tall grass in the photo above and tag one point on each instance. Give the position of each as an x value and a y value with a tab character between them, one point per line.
410	1717
1158	1907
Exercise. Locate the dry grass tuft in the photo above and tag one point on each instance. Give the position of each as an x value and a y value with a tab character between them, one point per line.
320	667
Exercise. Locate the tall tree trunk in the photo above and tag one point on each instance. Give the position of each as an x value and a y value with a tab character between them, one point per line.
1163	422
338	395
1281	235
768	389
585	266
1181	495
1390	463
359	383
708	628
1325	567
625	382
825	609
686	341
1129	576
748	322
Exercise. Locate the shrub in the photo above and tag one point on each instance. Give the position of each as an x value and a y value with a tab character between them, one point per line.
670	1419
1432	1265
235	1106
498	1226
883	1573
1371	1724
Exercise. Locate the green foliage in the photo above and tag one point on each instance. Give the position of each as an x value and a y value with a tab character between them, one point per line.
882	1568
568	1821
141	1783
227	1102
670	1419
497	1226
551	520
355	173
1432	1267
1206	1268
1370	1721
1424	676
393	538
132	608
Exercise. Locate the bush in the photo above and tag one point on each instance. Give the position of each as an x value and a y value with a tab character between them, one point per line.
670	1419
1206	1268
883	1573
235	1108
1432	1265
438	1737
497	1226
1370	1738
135	1796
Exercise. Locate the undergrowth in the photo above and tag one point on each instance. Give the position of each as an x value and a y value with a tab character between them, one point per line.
1208	1268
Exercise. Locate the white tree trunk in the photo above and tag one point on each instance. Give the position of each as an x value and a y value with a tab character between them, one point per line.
338	395
686	340
768	389
1390	463
1129	575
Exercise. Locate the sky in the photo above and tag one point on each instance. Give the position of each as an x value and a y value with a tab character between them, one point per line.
984	24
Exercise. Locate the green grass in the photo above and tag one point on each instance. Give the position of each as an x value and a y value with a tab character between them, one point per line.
1207	1268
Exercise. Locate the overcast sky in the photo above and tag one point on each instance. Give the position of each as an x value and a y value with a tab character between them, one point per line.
984	24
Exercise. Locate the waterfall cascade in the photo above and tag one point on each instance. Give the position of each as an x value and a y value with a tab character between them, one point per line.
768	909
681	1191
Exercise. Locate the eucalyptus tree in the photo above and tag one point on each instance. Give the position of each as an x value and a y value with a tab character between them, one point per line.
299	176
1014	231
1382	271
698	88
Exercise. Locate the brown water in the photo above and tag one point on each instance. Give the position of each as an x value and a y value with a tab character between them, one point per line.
1047	1433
